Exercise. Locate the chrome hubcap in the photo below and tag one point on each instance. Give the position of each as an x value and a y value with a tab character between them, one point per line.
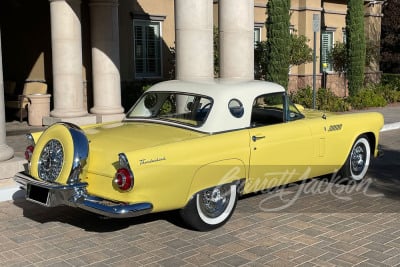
51	160
213	202
358	159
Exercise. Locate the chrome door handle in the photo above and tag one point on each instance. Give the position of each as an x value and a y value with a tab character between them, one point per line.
255	138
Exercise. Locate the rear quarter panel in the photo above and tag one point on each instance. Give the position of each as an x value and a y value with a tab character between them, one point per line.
169	175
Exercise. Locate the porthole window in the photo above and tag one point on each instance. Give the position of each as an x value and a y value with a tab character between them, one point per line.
236	108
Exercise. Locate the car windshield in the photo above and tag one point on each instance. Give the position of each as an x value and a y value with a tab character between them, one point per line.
182	108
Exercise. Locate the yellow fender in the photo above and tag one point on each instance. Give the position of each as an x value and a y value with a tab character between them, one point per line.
217	173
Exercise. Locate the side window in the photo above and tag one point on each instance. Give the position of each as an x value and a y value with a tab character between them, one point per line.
268	109
236	108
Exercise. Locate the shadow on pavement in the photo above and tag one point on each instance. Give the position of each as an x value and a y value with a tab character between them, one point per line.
89	221
386	169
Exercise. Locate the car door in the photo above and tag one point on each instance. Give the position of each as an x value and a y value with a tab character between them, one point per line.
281	143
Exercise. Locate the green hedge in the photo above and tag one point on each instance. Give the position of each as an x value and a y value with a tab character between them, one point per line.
373	96
325	99
392	80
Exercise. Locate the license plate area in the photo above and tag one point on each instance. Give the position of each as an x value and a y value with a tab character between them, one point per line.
37	194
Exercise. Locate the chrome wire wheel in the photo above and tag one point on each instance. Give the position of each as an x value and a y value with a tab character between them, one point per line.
210	208
215	205
213	202
358	160
51	160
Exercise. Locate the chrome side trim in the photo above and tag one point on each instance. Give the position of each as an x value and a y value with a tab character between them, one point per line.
81	152
76	196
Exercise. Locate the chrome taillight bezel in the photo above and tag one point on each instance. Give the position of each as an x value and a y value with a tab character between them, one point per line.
29	147
124	179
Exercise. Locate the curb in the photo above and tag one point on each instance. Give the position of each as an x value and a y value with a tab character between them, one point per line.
391	126
14	192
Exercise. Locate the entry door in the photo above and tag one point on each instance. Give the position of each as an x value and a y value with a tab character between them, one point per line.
281	150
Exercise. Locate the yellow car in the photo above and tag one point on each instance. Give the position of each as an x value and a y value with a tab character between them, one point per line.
195	147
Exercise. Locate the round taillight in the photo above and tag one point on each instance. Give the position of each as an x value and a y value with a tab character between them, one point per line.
28	152
123	179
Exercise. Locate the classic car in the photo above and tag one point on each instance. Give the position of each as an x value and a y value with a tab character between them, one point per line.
195	147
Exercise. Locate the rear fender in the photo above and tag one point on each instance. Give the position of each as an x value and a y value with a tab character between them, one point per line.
217	173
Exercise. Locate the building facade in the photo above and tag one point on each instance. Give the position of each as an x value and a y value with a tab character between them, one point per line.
95	55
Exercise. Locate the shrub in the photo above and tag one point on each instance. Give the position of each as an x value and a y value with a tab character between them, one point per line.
392	80
278	38
355	45
303	96
325	99
389	94
366	98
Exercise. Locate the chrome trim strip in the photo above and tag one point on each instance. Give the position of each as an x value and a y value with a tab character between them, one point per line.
76	196
81	152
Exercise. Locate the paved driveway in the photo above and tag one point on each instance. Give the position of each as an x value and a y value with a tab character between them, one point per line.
320	222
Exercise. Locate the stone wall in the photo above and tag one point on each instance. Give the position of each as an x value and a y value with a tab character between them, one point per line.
336	82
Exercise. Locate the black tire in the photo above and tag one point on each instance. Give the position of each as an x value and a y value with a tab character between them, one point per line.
210	208
358	161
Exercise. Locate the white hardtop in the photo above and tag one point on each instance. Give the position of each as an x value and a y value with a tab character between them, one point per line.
222	91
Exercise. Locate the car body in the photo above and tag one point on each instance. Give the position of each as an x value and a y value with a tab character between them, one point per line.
195	147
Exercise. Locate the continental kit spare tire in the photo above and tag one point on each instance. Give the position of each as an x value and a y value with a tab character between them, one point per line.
59	154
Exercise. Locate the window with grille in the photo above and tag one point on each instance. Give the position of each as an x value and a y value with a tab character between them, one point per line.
147	48
326	47
257	35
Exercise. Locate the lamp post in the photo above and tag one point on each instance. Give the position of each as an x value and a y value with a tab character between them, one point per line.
316	26
324	68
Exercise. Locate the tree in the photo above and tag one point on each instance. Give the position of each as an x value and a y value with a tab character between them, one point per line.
300	53
216	51
390	40
355	45
338	57
278	38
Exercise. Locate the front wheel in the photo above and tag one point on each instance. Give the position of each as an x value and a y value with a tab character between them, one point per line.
211	208
357	163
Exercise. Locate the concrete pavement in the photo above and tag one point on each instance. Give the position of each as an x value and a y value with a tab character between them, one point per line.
326	224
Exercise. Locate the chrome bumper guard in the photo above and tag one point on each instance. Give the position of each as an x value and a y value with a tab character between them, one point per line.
75	195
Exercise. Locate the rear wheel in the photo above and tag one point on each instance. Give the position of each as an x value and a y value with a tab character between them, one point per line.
357	162
211	208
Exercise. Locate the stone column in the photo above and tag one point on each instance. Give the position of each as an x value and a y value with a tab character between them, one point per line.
236	39
194	39
105	57
6	152
66	42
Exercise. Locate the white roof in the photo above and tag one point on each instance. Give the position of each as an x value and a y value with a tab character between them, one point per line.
222	91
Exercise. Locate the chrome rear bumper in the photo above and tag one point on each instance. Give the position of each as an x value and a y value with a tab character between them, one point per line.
75	195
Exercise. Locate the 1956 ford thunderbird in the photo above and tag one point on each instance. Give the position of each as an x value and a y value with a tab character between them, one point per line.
195	147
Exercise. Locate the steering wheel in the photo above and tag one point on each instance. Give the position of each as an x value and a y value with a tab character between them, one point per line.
204	107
